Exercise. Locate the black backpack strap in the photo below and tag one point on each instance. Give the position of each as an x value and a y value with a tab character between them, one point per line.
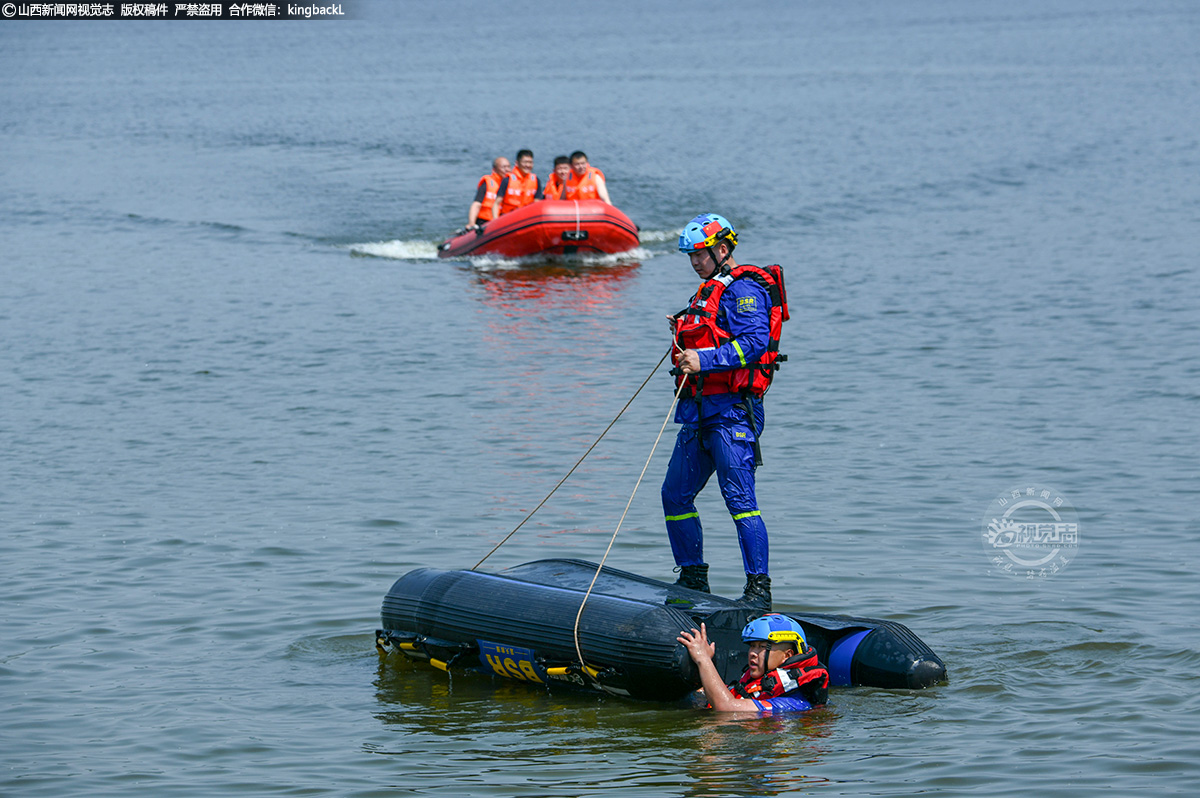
748	406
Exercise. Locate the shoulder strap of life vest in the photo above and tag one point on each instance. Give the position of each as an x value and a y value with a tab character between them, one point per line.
703	305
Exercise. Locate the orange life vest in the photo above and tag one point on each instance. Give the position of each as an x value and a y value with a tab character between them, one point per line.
803	672
586	186
696	328
489	198
520	191
554	189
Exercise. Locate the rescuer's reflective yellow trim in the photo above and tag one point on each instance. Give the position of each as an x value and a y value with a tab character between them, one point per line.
738	347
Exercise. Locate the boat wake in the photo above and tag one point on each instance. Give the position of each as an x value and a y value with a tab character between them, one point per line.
422	250
498	262
658	236
428	250
397	250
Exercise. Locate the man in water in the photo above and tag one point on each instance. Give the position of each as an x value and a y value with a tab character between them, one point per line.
585	181
725	349
782	671
519	187
556	183
482	209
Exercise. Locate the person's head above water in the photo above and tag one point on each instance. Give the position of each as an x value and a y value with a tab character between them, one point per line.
772	639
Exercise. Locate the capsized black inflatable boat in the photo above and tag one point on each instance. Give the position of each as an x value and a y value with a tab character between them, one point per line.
519	623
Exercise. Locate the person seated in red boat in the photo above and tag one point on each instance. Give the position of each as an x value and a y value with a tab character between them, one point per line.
782	671
556	183
520	187
482	210
586	181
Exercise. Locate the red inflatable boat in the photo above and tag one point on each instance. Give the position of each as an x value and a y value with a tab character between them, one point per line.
549	227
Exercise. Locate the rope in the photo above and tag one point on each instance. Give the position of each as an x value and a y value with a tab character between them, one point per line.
613	540
581	459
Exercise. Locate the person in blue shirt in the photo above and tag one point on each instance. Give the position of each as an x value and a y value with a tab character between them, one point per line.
719	337
782	672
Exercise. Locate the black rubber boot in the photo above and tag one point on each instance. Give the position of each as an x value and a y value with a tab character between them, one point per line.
694	577
758	592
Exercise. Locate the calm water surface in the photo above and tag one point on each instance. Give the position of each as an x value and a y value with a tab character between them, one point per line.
240	396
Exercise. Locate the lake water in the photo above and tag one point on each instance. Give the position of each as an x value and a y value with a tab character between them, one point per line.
240	396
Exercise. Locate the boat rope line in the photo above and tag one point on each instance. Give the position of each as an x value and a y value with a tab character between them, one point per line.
613	539
577	464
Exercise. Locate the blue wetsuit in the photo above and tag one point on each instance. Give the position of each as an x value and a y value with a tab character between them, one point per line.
716	435
785	703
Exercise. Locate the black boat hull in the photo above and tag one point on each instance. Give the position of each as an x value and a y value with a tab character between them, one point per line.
521	624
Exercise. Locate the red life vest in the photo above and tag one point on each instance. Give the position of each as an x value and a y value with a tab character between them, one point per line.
696	328
585	187
492	180
554	188
802	672
520	191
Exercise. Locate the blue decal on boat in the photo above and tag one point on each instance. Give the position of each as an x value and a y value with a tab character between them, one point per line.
841	654
511	662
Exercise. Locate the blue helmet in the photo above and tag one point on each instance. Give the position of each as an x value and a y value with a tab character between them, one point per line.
775	628
705	231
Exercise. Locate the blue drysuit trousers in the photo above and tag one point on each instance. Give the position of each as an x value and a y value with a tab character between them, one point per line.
726	447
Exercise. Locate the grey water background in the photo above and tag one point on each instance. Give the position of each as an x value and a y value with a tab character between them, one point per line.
239	397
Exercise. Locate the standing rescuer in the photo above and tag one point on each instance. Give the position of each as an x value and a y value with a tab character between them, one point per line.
726	350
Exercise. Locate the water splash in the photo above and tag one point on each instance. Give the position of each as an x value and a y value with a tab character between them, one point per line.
397	250
658	236
499	262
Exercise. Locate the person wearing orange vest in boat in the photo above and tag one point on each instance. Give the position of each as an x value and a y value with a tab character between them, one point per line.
556	183
782	672
725	351
482	209
586	181
519	187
